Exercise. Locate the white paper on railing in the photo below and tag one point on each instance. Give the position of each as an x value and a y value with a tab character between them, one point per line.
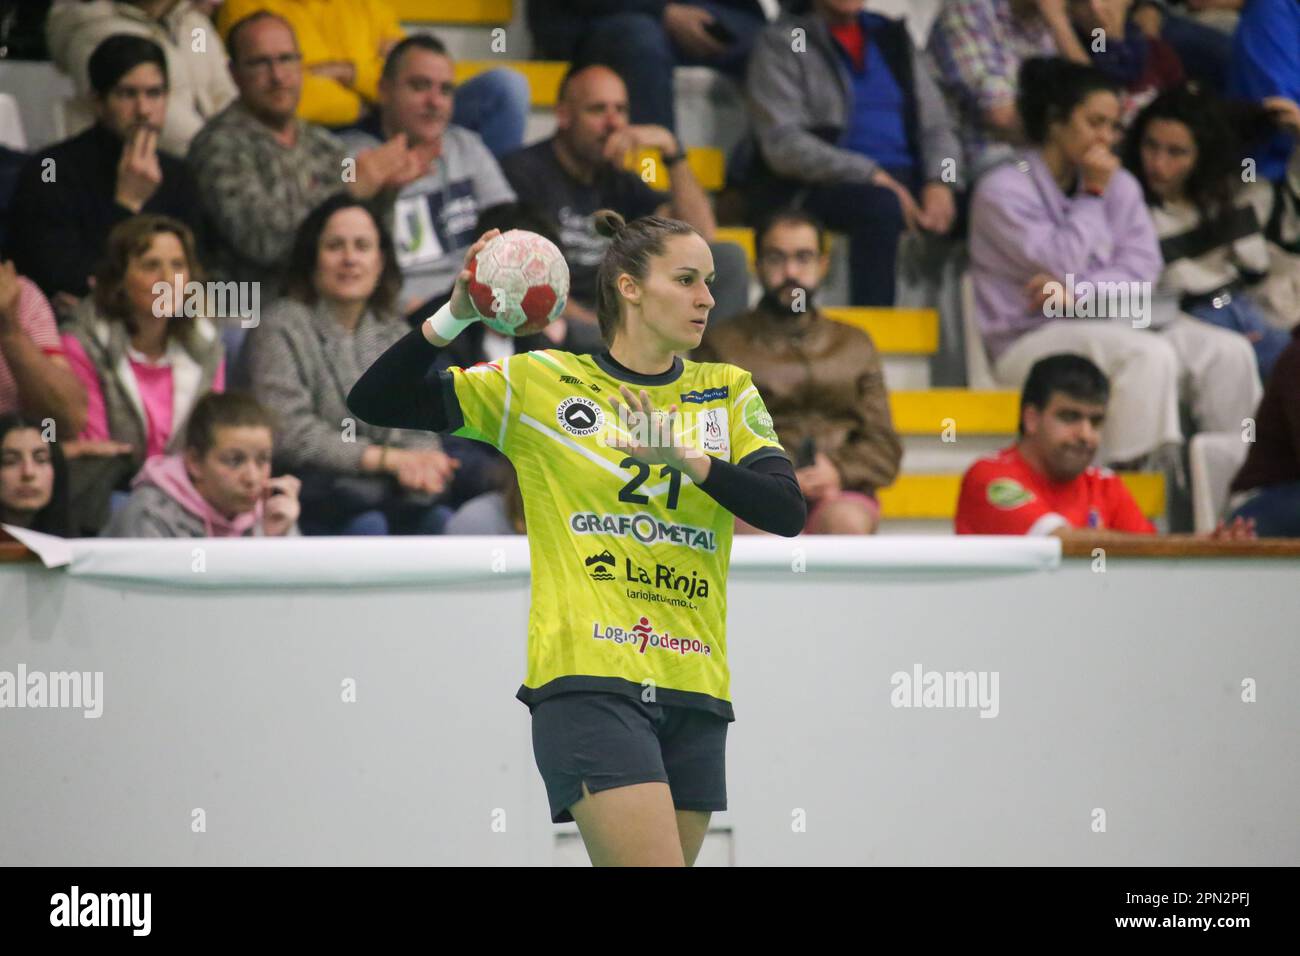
397	561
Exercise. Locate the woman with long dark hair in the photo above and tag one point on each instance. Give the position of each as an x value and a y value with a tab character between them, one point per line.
1064	258
629	530
33	478
1185	153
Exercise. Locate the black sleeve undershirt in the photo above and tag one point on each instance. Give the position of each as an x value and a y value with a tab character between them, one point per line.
404	389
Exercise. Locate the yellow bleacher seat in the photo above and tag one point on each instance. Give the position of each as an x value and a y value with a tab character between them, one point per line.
706	163
911	331
934	497
472	12
972	413
543	76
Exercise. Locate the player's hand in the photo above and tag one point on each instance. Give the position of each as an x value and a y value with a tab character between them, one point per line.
461	305
138	172
282	508
643	420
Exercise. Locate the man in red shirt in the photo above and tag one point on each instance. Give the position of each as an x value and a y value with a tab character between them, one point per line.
1045	483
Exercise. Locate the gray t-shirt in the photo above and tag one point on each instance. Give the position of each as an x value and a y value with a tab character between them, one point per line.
434	218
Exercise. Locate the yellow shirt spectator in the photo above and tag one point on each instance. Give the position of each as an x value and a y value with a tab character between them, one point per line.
343	44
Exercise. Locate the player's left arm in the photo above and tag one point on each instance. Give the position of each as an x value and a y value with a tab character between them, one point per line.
760	488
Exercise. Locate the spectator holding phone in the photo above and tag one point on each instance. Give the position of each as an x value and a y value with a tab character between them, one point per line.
220	486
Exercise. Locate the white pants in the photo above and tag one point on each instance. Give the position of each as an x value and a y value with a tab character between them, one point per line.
1212	368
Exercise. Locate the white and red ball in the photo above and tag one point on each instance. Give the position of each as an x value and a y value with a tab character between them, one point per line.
519	283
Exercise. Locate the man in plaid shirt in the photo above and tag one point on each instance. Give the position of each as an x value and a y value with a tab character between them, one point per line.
978	46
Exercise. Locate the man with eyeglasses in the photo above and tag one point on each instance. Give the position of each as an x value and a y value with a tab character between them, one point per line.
70	196
261	169
822	380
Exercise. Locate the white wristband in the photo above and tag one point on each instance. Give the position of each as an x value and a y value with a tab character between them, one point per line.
446	325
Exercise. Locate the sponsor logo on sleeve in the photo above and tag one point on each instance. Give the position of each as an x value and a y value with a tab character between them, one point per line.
757	419
1008	494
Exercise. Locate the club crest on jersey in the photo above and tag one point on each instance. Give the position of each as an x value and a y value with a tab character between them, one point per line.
580	416
714	435
700	396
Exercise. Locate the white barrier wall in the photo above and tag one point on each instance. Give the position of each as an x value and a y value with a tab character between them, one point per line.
1118	733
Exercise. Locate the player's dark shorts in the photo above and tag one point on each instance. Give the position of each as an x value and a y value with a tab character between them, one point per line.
609	740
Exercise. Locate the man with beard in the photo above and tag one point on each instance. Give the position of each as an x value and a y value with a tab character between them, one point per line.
71	195
822	380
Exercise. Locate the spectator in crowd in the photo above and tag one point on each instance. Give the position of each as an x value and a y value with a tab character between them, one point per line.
978	46
35	377
856	127
1266	62
434	213
1046	483
339	315
33	478
643	40
1267	488
1062	237
141	354
1181	149
493	512
1144	65
199	84
1200	31
580	170
261	170
822	380
344	44
71	195
220	486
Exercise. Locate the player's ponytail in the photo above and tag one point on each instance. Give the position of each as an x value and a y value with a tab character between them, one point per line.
629	253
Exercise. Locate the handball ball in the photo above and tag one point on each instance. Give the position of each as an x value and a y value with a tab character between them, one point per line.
519	283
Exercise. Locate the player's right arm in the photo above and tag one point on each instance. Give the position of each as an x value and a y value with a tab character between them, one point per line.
404	389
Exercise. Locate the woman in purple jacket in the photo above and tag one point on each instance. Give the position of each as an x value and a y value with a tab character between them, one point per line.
1064	258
